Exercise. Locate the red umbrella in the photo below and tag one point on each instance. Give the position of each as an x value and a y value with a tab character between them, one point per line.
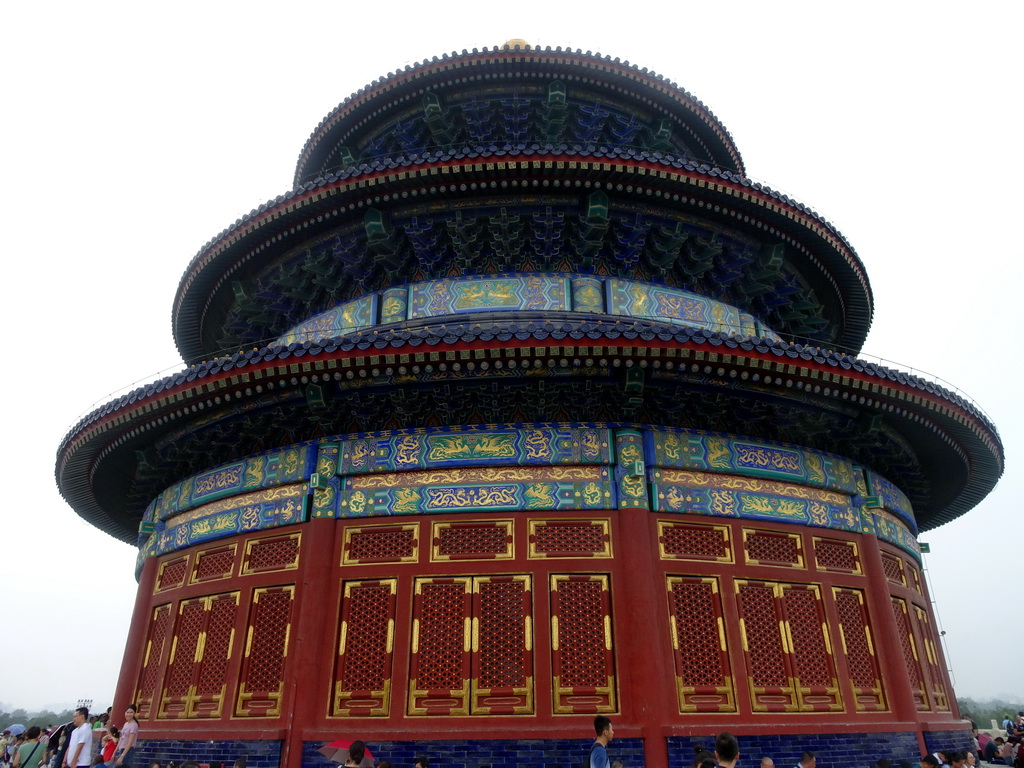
337	751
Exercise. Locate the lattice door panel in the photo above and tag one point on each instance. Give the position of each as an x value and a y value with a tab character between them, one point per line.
196	678
773	548
502	664
817	685
686	541
892	566
570	538
172	574
862	668
363	668
703	674
266	649
940	701
183	659
473	540
213	564
911	660
582	658
440	664
153	660
835	555
765	648
381	544
271	553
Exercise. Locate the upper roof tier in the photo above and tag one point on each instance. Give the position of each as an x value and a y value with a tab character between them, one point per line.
506	161
511	96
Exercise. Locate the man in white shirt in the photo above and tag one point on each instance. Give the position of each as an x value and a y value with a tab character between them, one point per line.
80	744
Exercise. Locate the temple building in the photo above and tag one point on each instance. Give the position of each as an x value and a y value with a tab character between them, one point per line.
526	405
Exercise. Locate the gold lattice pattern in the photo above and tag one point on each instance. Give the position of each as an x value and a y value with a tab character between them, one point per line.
502	637
860	662
366	638
191	618
269	641
578	538
836	555
467	540
893	569
701	541
273	554
154	657
215	564
811	656
386	544
441	636
172	574
761	626
696	624
220	629
581	634
773	548
899	612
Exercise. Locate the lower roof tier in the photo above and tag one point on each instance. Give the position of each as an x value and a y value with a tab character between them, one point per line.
937	448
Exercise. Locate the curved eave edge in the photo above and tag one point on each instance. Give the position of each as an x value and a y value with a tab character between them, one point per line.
966	423
714	180
448	62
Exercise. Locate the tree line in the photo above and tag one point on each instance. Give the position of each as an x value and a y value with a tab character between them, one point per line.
42	718
984	711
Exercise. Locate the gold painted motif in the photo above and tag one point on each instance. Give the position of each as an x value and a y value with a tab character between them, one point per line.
630	452
357	502
462	497
767	458
592	494
407	450
633	486
227	478
392	310
815	468
537	444
489	293
672	447
477	475
540	496
588	297
407	501
295	492
590	444
718	453
486	446
254	471
755	485
360	454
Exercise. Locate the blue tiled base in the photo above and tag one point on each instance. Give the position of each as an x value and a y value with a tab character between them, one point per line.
504	753
833	750
257	754
945	740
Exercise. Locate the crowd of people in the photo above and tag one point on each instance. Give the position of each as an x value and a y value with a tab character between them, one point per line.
93	741
1008	751
87	740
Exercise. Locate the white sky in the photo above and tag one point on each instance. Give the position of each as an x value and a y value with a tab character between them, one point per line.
132	133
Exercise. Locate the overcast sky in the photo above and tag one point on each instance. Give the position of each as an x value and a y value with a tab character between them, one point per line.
135	132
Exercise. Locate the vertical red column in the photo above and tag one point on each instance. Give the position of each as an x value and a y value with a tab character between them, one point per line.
311	659
135	645
640	615
893	669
